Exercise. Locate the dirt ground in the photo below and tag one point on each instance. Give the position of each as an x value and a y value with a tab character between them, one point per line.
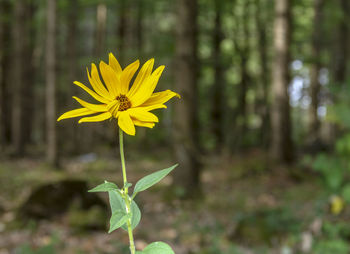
247	206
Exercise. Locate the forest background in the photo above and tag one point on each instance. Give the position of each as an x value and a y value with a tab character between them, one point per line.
261	133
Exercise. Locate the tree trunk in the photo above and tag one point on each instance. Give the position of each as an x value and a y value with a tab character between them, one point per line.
218	86
52	157
122	31
28	72
101	22
281	145
20	41
72	65
5	61
139	26
186	128
342	42
243	50
314	124
261	24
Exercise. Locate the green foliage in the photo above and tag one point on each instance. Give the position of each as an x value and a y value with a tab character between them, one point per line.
26	249
125	210
157	248
150	180
346	193
331	169
335	167
46	249
118	219
117	203
81	219
336	246
333	240
105	187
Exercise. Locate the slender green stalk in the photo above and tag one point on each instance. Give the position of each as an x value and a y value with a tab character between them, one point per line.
126	197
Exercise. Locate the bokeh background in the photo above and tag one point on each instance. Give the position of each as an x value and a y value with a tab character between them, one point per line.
261	132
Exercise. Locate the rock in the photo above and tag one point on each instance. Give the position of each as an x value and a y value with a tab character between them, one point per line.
55	199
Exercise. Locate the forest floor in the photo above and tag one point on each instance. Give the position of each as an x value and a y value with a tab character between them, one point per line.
247	207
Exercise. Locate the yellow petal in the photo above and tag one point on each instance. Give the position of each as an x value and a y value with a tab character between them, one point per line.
155	106
113	108
76	113
146	89
125	123
92	93
142	115
160	97
113	62
96	83
143	124
127	75
93	107
98	118
143	74
110	78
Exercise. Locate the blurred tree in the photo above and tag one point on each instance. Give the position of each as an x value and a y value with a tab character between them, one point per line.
315	86
5	56
262	23
101	21
218	89
186	126
281	143
341	45
242	47
139	26
72	56
22	106
51	149
122	26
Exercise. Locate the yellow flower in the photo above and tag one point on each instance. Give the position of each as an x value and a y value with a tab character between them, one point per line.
130	106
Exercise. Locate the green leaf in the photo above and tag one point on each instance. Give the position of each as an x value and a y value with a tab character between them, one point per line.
118	219
127	185
106	186
152	179
136	215
117	203
157	248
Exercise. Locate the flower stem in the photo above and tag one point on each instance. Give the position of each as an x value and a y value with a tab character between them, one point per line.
126	197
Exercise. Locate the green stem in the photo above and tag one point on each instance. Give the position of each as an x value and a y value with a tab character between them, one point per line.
126	197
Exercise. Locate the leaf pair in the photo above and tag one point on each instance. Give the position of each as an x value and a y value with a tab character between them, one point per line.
120	216
118	204
143	184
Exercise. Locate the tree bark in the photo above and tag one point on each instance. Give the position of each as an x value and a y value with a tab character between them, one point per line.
139	26
341	50
218	86
262	24
21	41
29	72
101	22
242	48
315	86
281	144
5	62
186	128
52	157
122	31
72	57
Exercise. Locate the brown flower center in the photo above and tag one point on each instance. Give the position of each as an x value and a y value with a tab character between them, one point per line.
124	102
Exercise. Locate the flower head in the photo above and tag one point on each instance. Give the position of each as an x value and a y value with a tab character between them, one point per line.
130	106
